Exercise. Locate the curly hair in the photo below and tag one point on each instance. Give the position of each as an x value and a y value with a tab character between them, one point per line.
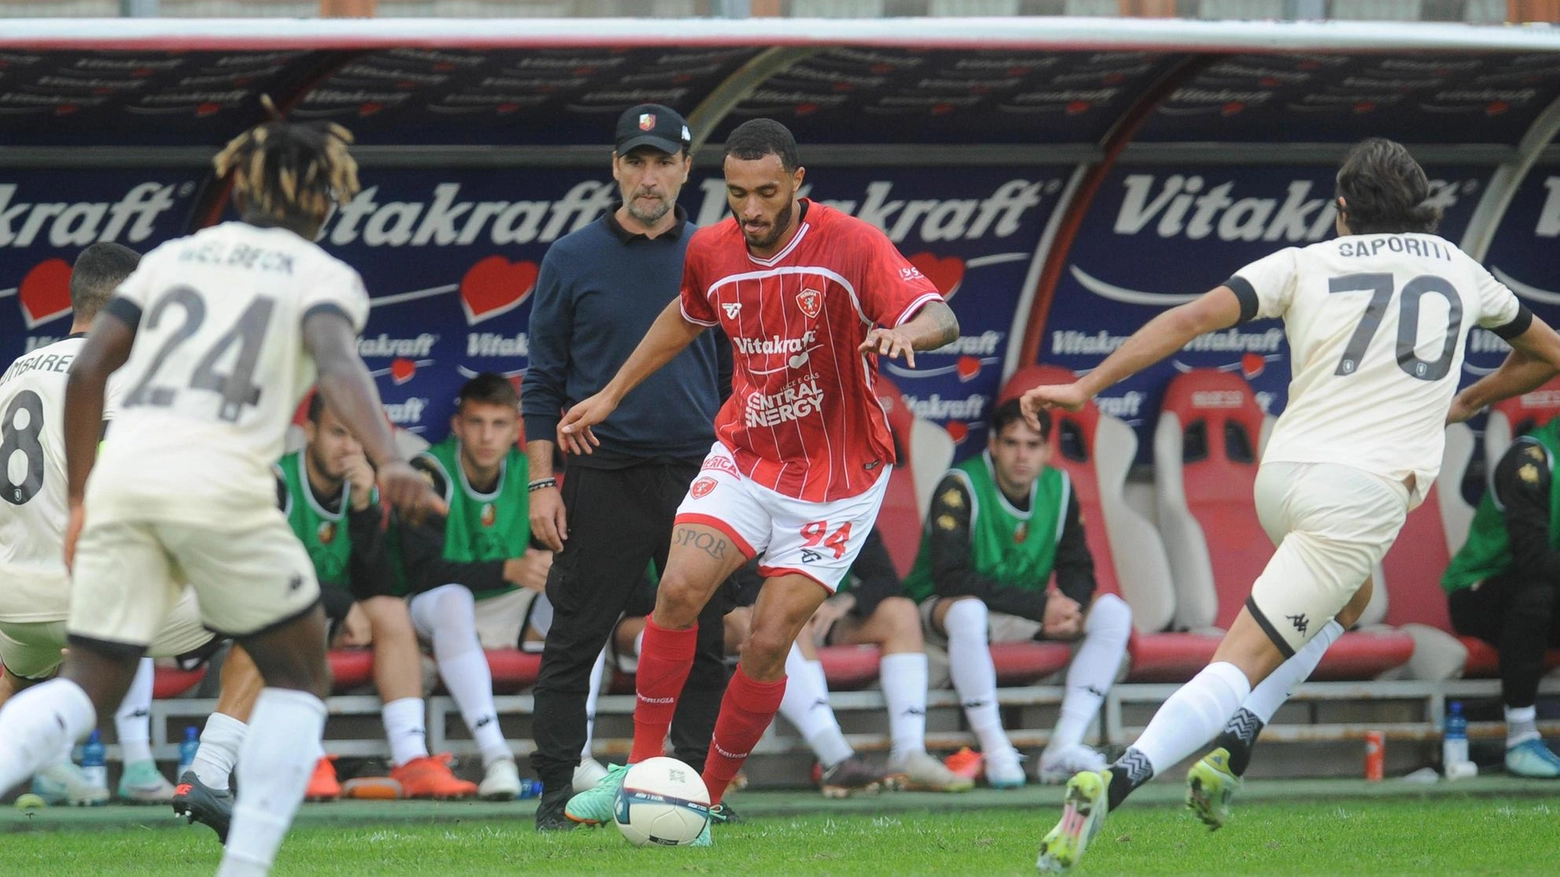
290	172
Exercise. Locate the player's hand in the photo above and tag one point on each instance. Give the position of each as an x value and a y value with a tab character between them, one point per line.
530	571
574	434
409	492
548	519
832	610
360	475
891	343
1063	617
78	518
1069	396
1460	410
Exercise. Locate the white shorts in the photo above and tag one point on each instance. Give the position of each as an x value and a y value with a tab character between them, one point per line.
31	649
130	574
1332	525
819	540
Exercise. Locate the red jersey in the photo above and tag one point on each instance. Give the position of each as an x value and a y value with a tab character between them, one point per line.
803	419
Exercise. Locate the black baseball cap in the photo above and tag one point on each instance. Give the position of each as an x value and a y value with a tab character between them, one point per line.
652	125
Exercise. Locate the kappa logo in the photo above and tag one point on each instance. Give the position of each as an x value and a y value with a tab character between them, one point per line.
1300	622
810	301
702	487
732	308
811	556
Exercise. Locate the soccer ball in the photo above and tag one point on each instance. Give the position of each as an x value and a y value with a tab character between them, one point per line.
663	802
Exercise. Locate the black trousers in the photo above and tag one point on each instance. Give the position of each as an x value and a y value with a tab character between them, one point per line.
618	521
1518	616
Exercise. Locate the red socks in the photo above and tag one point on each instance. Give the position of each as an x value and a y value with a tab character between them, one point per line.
745	712
665	659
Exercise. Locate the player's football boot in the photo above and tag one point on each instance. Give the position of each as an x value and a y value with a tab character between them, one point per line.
430	777
142	783
1210	786
919	772
718	813
1005	769
966	763
203	804
588	774
1083	812
594	806
1060	766
1532	759
323	785
850	777
64	783
550	811
501	782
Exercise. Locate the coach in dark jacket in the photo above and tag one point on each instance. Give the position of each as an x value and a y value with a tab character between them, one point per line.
599	290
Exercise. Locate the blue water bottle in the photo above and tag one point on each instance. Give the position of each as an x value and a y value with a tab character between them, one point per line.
530	788
93	765
1454	740
187	750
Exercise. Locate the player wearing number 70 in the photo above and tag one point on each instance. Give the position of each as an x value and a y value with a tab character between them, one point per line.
220	334
1376	319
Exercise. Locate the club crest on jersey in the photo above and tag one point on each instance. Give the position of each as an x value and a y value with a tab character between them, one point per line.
732	309
326	532
1021	532
810	301
646	121
489	514
702	487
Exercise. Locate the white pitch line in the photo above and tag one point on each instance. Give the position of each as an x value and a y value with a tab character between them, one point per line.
415	294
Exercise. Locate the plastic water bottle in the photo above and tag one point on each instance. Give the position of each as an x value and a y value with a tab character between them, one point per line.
1454	740
93	766
187	750
530	788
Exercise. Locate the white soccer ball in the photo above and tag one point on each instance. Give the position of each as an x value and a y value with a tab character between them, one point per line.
663	802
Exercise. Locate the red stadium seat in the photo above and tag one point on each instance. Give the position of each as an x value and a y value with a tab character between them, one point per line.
1026	663
925	452
172	682
350	668
513	669
849	667
1207	452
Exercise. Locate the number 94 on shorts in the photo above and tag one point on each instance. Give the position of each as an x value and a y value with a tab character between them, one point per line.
819	540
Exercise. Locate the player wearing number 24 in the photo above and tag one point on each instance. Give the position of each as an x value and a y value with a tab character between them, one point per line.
1377	321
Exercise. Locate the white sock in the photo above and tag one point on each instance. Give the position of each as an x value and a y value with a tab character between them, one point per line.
220	741
447	617
1271	692
974	675
406	727
274	767
1521	725
805	704
1193	715
37	724
597	670
903	677
133	721
1093	669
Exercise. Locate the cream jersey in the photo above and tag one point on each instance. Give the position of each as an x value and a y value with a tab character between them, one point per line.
217	368
34	585
1377	326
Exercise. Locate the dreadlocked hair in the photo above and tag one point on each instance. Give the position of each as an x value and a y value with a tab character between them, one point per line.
289	170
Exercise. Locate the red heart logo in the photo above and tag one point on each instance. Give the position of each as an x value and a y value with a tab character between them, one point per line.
402	370
507	108
1496	108
1364	106
1268	82
45	292
942	109
495	286
207	108
844	86
370	108
1252	364
1076	107
946	274
65	109
969	367
1232	108
806	109
958	430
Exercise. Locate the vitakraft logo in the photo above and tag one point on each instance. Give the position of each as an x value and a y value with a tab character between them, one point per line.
407	414
81	223
973	353
446	219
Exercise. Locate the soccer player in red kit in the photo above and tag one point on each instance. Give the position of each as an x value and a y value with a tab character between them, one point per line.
809	297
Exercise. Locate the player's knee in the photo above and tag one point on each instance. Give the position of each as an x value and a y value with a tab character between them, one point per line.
1110	616
902	621
966	620
766	650
389	620
678	600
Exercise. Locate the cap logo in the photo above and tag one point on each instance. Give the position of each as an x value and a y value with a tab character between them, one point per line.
646	121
